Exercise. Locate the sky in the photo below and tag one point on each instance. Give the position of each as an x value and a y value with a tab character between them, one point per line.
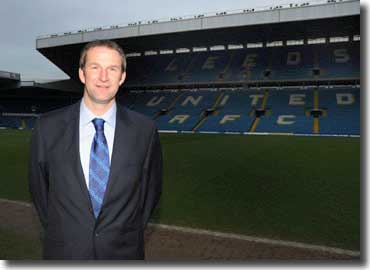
22	21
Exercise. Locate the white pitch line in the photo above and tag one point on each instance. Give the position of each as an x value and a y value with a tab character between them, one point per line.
16	202
235	236
258	240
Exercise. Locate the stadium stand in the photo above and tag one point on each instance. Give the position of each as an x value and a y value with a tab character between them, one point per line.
10	122
281	110
341	107
293	63
292	69
21	103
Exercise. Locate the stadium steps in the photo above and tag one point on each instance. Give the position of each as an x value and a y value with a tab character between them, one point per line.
254	124
316	106
263	107
316	127
201	121
264	102
173	103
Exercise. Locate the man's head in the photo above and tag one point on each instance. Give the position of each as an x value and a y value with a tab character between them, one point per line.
102	43
102	70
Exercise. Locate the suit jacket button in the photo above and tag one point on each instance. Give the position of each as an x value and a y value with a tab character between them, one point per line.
96	234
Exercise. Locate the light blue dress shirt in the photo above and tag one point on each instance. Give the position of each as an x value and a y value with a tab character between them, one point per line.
87	133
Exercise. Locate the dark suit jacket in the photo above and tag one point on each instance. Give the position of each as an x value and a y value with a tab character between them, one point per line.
61	197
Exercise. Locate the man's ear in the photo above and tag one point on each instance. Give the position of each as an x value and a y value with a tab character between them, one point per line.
81	75
123	78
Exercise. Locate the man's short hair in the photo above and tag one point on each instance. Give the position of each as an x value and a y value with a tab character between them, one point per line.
102	43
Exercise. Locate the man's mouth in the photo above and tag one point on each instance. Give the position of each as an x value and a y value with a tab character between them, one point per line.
102	86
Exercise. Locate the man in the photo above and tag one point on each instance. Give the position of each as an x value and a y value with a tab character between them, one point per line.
95	169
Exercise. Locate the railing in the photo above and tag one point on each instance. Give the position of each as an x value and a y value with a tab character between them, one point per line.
198	16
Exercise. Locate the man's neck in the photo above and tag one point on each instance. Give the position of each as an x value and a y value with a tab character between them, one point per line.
98	109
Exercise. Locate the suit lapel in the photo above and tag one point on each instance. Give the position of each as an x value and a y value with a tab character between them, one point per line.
120	157
73	150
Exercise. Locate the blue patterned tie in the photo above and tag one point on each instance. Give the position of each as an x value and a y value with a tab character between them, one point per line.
99	166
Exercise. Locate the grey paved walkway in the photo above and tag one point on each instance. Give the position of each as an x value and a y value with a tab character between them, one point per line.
168	245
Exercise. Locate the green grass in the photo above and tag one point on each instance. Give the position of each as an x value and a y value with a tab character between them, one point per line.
291	188
14	161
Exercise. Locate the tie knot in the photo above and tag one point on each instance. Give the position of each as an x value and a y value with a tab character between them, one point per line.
98	124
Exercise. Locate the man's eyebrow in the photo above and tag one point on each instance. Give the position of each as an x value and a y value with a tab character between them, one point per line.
94	63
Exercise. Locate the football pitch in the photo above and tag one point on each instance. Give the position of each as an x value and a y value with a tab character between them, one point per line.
304	189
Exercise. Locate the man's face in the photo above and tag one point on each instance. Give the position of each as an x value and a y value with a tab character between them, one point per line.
102	75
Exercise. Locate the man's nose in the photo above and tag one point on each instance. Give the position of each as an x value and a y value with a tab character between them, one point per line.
103	76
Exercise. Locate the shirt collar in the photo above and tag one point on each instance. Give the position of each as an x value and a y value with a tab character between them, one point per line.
86	116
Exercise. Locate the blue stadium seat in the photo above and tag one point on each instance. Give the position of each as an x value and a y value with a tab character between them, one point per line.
10	122
343	110
286	63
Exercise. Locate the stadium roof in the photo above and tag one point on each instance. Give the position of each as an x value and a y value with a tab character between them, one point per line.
31	89
9	79
328	19
273	15
12	86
